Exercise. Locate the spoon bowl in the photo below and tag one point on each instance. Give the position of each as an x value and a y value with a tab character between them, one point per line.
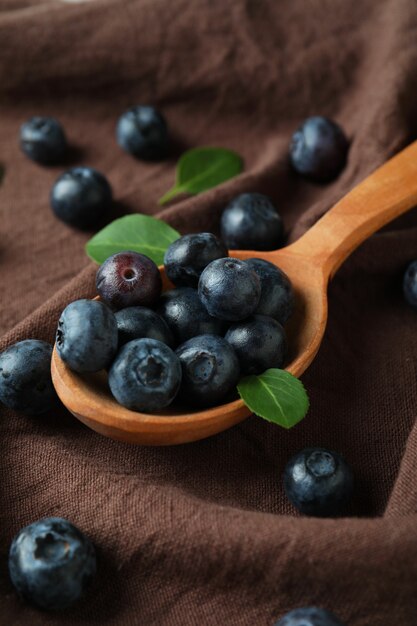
309	262
88	396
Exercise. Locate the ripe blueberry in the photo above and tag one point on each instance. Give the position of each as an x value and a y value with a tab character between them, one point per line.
128	279
259	343
309	616
137	322
145	376
25	377
251	222
51	563
318	482
80	197
42	139
142	131
410	284
229	289
86	338
185	315
277	295
186	258
210	369
318	149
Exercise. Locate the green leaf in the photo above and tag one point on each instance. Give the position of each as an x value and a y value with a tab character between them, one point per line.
137	233
275	395
200	169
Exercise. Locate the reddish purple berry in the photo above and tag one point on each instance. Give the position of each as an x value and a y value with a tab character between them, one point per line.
128	279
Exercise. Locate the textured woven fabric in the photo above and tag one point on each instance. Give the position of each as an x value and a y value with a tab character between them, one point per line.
202	534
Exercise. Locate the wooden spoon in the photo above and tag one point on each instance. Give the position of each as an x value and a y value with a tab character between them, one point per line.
310	262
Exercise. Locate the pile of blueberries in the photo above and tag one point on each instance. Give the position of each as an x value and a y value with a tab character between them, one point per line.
223	319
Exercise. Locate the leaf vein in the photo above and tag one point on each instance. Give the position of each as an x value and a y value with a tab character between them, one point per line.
272	396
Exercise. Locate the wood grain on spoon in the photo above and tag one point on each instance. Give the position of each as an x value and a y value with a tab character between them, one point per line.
309	262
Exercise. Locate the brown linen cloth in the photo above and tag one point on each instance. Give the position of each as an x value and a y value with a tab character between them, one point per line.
202	534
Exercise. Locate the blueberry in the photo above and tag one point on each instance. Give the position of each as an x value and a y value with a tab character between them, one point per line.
142	131
318	482
186	258
309	616
128	279
80	197
42	139
185	315
25	377
86	338
251	222
277	295
318	149
229	289
210	370
51	563
259	342
145	376
410	284
137	322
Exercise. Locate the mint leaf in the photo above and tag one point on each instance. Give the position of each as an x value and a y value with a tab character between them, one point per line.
200	169
275	395
137	233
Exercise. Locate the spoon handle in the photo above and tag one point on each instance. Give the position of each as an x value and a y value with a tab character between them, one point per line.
387	193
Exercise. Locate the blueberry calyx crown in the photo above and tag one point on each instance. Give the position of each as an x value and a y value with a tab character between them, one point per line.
202	367
151	371
60	335
321	464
